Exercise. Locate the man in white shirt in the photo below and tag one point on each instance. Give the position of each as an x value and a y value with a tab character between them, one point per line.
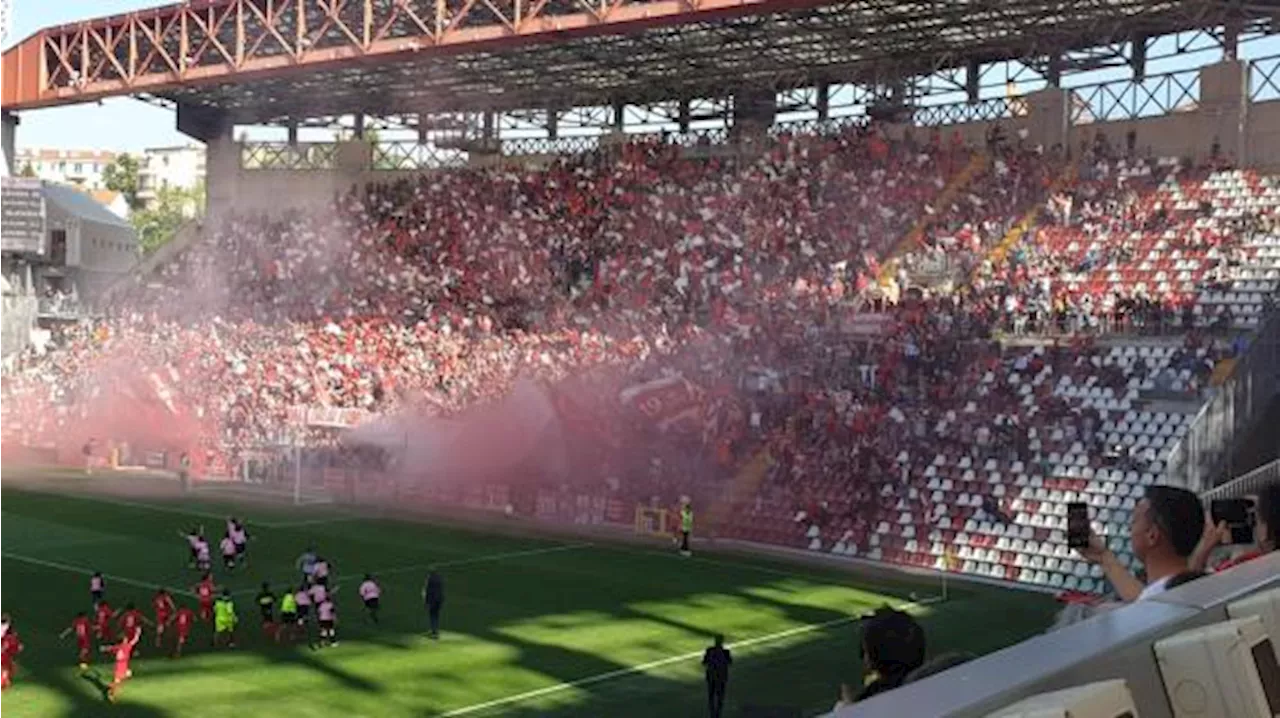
1165	527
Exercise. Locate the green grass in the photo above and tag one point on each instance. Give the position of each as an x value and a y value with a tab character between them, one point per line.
524	616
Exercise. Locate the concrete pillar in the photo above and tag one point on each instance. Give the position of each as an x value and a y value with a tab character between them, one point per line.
685	114
553	123
1049	117
357	126
972	76
824	102
222	154
753	113
1224	110
8	140
292	128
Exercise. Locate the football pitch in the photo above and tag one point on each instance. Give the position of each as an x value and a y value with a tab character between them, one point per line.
532	625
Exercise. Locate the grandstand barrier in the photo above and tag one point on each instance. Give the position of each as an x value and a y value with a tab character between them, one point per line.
1200	457
1247	484
1117	644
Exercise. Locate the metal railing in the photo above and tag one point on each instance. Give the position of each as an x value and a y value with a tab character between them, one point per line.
1247	484
1204	454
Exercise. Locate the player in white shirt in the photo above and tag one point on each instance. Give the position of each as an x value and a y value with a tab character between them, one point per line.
370	592
203	560
228	552
327	615
240	537
320	571
194	537
318	593
303	600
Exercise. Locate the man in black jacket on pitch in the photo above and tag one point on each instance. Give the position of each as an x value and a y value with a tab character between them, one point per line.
716	660
433	595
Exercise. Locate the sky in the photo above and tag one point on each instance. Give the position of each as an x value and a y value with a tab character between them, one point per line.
121	124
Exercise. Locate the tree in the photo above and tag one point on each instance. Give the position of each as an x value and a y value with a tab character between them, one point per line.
173	206
122	176
27	170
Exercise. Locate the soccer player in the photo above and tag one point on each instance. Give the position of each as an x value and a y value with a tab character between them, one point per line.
203	561
228	552
224	620
97	588
288	614
131	621
162	605
84	637
686	528
307	563
102	622
370	591
123	652
318	592
183	620
205	591
10	647
194	538
327	614
320	572
240	537
303	601
267	605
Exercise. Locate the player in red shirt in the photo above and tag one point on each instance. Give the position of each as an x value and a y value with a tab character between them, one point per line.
123	652
9	649
183	620
205	591
102	622
162	604
84	637
131	621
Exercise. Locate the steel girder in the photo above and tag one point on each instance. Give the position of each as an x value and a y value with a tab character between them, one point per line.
261	60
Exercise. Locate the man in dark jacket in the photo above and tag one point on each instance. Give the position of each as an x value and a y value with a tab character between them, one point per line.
433	594
716	661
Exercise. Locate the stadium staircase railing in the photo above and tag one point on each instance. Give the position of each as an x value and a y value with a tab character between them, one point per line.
1023	225
1246	484
978	164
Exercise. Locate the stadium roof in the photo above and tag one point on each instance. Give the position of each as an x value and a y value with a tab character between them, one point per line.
267	59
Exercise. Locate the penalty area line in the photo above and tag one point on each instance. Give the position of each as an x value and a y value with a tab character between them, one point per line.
621	672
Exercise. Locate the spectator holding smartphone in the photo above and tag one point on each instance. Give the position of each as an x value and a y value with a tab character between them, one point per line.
1266	511
1165	529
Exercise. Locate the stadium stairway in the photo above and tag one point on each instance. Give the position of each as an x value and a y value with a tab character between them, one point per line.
186	235
743	486
978	164
1020	228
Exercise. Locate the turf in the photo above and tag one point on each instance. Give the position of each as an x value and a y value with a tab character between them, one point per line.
532	626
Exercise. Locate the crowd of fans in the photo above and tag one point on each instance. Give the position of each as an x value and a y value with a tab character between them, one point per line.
750	276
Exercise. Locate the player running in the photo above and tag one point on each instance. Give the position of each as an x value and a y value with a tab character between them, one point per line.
97	588
288	615
370	592
123	652
194	538
84	637
183	620
224	620
163	607
320	572
267	606
205	592
327	614
102	622
228	548
240	537
303	624
131	622
307	563
10	647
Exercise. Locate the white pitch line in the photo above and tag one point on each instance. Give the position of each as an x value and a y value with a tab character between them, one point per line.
487	558
599	677
88	572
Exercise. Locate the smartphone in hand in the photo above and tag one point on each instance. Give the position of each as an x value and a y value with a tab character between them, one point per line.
1237	514
1077	525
